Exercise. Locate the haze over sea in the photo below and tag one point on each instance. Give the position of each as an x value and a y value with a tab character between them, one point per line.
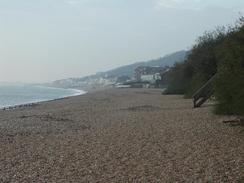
12	95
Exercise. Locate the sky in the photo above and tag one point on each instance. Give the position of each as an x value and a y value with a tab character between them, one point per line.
46	40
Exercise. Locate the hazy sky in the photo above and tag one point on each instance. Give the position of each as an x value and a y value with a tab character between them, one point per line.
45	40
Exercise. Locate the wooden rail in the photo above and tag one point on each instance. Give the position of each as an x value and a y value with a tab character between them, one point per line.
204	93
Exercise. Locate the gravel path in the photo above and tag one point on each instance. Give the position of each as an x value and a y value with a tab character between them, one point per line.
126	135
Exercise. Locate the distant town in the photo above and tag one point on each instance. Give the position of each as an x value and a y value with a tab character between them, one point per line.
149	74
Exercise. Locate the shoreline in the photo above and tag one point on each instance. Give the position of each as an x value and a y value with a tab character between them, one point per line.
37	102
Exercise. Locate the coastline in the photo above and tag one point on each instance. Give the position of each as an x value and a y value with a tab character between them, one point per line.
78	92
119	135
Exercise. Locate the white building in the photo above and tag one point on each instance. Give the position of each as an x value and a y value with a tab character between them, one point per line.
152	78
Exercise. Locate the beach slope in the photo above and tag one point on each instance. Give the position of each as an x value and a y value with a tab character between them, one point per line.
119	135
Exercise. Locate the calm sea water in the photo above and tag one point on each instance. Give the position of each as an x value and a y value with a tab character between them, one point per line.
11	95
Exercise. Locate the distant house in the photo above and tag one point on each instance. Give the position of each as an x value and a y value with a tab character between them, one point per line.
149	74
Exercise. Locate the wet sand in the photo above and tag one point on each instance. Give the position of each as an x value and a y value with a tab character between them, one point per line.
119	135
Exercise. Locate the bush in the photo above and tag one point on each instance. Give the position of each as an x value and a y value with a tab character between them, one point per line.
229	85
180	76
222	52
200	66
203	58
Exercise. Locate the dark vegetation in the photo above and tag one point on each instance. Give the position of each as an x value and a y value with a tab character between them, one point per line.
219	52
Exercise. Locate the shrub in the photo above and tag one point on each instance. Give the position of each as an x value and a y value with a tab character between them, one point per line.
229	85
179	78
199	67
203	58
222	52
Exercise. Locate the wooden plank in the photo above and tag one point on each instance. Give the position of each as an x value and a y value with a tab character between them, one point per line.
204	93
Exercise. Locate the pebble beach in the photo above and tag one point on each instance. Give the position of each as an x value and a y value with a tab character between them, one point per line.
119	135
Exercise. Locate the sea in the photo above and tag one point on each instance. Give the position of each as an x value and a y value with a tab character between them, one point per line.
20	94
